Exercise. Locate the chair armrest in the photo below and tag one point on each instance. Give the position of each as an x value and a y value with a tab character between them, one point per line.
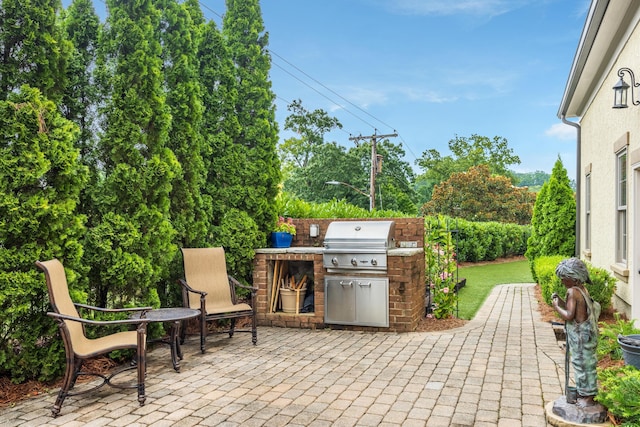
235	282
190	289
112	310
60	316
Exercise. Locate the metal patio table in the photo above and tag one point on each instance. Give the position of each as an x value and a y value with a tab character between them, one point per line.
175	316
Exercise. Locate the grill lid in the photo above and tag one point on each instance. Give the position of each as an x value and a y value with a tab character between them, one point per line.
359	236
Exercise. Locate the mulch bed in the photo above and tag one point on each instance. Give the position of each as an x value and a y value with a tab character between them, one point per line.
11	393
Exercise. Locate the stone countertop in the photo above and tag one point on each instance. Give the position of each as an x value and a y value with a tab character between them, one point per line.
320	250
292	250
404	251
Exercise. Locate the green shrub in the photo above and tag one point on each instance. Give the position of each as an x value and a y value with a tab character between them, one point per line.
618	392
601	290
608	338
475	241
603	287
545	272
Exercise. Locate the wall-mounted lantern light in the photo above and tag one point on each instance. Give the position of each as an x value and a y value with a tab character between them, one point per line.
621	89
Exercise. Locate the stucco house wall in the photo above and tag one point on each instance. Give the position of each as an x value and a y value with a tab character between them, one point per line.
610	41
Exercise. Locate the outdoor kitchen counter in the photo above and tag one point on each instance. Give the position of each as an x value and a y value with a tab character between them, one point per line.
405	272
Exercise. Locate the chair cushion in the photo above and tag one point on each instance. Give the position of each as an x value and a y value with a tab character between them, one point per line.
85	347
228	309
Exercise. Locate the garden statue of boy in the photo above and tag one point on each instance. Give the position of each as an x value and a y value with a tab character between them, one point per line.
581	314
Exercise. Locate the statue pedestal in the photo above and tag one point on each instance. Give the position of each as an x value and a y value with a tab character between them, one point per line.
563	414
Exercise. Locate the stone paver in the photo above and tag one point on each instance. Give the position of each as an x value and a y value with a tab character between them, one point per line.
500	369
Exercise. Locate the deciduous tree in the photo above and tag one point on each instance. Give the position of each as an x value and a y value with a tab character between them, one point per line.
476	195
466	153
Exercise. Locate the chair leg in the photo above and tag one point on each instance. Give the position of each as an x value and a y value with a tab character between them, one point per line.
71	373
232	328
141	359
203	332
254	330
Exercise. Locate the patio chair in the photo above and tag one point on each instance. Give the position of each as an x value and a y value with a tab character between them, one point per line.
208	288
79	348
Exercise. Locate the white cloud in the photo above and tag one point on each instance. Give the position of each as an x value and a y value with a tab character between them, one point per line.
488	8
561	131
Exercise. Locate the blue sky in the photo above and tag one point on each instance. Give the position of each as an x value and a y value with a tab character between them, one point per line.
428	69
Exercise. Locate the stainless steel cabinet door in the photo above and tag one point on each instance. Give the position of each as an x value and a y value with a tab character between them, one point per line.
372	302
339	300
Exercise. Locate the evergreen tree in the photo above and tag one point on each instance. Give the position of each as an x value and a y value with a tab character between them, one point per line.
253	157
554	218
32	48
225	162
40	181
130	246
79	102
81	25
180	38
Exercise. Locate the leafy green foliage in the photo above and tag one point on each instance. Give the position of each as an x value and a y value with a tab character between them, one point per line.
618	392
476	195
545	273
33	48
608	338
133	192
239	235
467	153
257	167
40	181
311	126
441	267
601	289
291	206
486	241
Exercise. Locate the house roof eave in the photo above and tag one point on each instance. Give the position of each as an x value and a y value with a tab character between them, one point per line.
608	26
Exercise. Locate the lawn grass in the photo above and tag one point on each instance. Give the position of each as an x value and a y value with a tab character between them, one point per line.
482	278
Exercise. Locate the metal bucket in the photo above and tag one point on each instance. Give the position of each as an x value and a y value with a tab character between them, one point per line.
572	395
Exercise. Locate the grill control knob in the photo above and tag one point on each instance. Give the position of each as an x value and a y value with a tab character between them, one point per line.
374	261
354	262
334	261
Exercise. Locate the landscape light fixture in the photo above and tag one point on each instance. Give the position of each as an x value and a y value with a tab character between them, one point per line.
621	88
353	188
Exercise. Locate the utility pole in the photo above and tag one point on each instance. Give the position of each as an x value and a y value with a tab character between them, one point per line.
374	163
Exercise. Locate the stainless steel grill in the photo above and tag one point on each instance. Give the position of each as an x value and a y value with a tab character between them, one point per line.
358	246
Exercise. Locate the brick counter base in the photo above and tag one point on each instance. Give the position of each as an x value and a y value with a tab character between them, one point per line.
406	292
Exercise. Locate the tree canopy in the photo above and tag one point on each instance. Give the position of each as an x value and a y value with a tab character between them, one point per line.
476	195
465	153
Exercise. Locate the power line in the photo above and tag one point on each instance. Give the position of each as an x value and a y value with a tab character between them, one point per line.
321	94
335	93
221	16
